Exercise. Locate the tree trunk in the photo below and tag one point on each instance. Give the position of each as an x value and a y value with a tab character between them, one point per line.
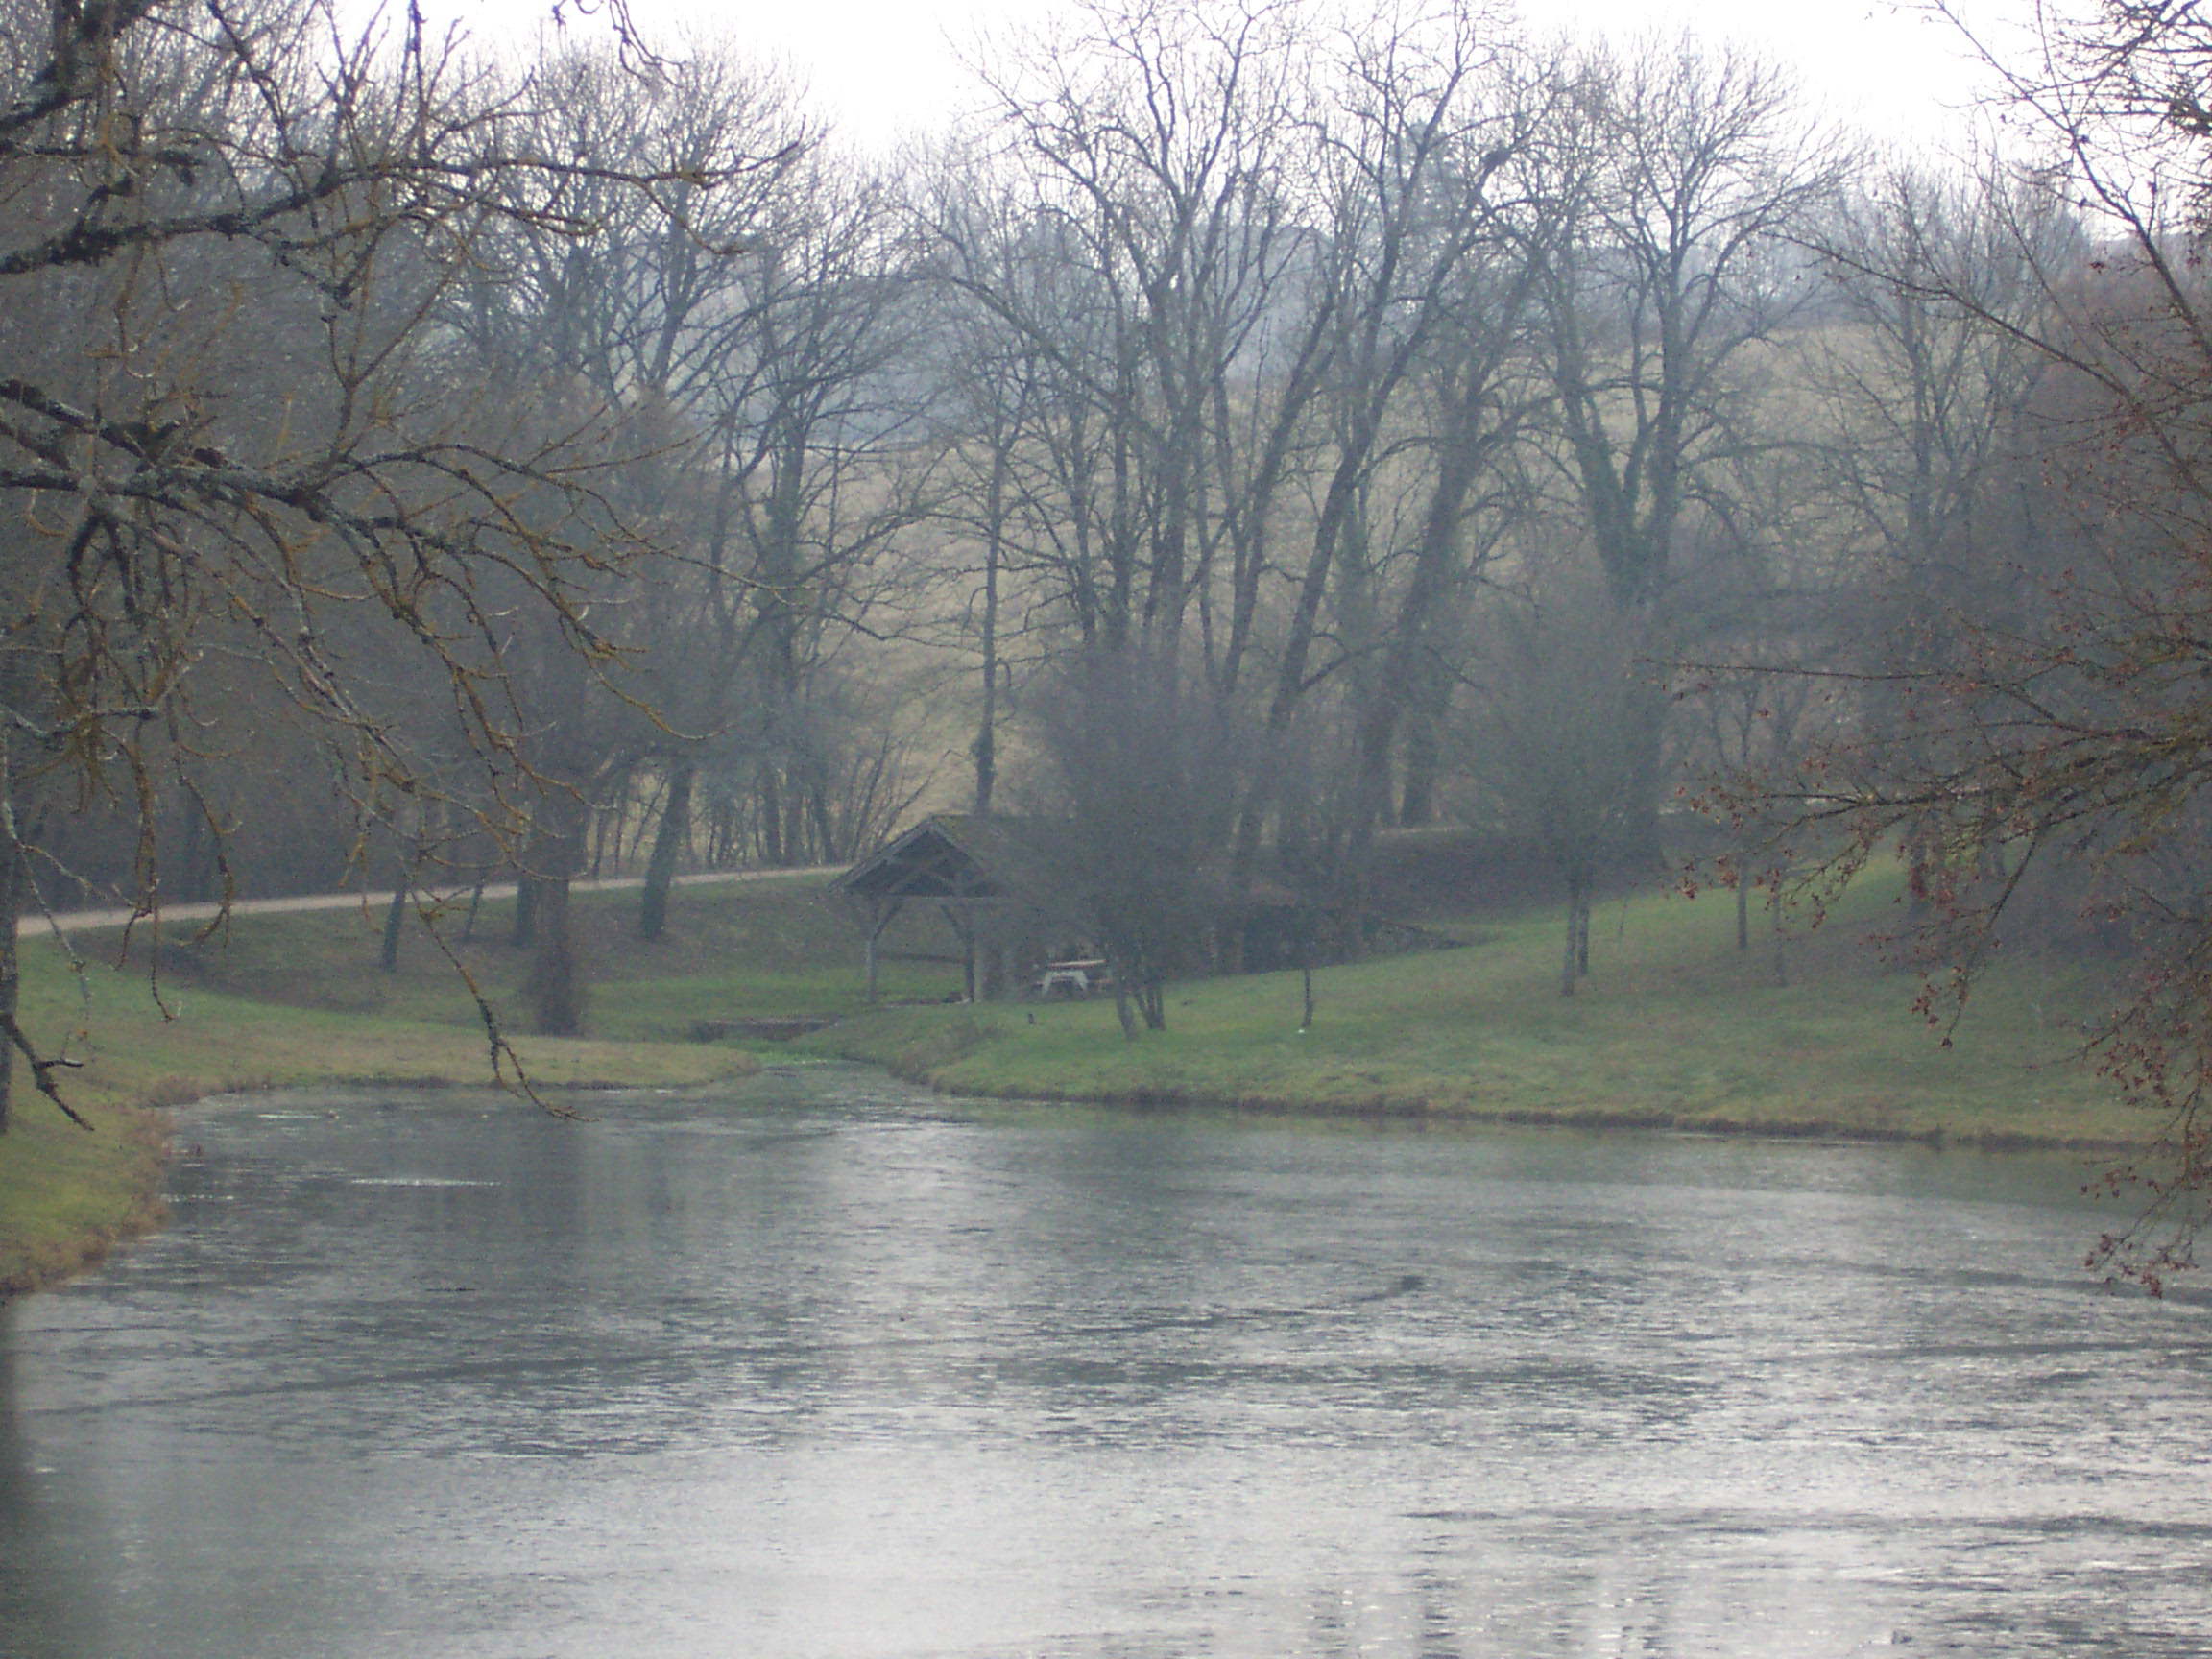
1123	1010
14	890
1152	1000
525	932
1424	763
1576	961
395	922
827	849
1402	687
986	748
11	884
555	986
771	823
1305	629
668	842
1777	875
1742	901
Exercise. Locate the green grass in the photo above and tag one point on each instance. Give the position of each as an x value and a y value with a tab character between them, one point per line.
66	1197
1674	1028
773	947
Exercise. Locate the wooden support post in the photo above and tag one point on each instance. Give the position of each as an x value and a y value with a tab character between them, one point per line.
963	930
881	913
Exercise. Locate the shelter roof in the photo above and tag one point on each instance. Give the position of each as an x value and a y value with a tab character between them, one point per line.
960	856
957	855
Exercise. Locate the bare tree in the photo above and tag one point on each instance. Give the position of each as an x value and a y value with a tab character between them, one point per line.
2065	716
1138	247
1143	778
225	421
1548	753
639	318
1682	180
822	465
1215	349
1408	229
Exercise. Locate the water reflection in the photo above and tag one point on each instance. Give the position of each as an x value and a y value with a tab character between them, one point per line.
830	1371
33	1534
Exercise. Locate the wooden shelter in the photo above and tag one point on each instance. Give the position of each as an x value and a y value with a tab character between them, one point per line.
991	878
1006	887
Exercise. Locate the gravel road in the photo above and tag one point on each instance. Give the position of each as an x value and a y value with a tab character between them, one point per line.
75	921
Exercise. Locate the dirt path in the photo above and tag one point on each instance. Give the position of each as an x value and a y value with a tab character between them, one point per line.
74	920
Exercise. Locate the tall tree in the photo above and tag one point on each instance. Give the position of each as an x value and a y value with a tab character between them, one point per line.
1928	384
642	312
1422	144
1682	178
1143	777
1150	140
822	463
2069	717
205	207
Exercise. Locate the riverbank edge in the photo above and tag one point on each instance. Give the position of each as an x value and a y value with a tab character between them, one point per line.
51	1260
143	1125
929	1064
142	1129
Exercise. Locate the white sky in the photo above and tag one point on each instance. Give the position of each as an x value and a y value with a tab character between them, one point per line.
877	67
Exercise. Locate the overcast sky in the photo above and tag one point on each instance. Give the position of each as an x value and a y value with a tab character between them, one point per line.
879	67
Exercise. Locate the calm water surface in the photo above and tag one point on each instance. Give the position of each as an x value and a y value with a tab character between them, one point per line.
834	1370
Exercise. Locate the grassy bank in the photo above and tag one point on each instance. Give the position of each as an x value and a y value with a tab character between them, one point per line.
1675	1030
758	948
67	1197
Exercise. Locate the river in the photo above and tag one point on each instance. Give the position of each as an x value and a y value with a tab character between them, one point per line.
833	1369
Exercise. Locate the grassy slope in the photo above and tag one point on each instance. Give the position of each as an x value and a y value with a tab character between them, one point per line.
66	1196
755	948
1674	1028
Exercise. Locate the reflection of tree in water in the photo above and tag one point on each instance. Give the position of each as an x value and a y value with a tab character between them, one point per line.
45	1588
15	1497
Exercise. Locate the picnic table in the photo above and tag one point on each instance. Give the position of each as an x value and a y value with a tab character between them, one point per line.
1075	978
